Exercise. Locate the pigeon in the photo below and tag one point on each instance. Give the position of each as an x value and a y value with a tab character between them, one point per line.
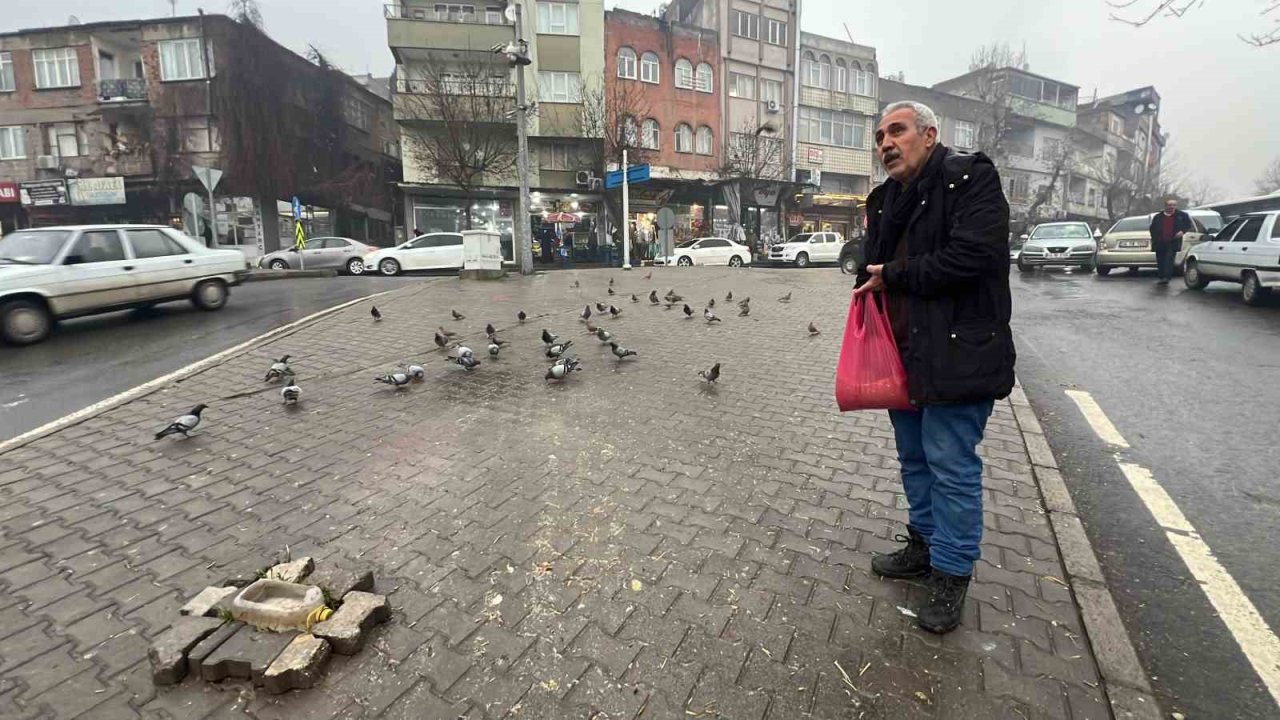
591	328
373	312
442	342
601	307
614	311
745	311
576	284
610	282
184	424
548	338
673	297
711	302
495	340
278	369
558	349
744	301
291	393
457	315
467	362
785	298
521	317
648	275
604	335
416	372
462	351
710	316
446	332
653	297
561	369
489	329
634	298
586	313
611	292
494	349
813	329
688	311
398	380
729	297
711	375
621	352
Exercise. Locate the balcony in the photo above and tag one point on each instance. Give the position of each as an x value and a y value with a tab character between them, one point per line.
122	90
415	100
425	31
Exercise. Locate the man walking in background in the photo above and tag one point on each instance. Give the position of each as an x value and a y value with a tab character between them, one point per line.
1167	229
938	250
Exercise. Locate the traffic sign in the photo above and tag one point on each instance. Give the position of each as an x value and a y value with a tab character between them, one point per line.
297	208
635	174
209	177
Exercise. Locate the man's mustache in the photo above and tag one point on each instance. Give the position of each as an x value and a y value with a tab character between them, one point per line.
890	156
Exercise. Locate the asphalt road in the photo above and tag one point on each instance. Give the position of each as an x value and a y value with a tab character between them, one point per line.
1192	381
93	358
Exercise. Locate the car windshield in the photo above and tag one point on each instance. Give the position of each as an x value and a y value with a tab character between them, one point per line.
801	238
1211	223
1060	232
1131	224
32	247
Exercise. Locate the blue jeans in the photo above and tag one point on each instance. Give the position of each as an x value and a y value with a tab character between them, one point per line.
942	477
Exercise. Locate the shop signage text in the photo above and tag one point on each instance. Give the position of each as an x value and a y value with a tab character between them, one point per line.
43	192
97	191
9	192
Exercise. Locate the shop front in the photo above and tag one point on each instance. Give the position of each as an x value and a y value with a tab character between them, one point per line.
828	212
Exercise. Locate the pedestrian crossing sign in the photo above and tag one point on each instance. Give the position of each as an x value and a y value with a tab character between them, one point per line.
299	235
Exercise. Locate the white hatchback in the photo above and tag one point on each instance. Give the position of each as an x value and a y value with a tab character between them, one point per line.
707	251
426	252
62	272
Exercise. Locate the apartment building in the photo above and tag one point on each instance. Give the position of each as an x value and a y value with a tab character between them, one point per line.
104	122
1124	147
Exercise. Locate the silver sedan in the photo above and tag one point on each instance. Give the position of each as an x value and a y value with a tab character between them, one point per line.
321	253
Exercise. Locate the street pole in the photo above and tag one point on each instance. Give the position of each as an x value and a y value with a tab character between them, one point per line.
626	215
523	241
213	220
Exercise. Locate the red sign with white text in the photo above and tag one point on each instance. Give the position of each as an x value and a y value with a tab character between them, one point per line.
9	192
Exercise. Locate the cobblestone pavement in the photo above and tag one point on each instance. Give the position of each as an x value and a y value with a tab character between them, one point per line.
628	543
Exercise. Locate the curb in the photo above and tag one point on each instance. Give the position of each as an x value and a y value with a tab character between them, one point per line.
262	275
1124	682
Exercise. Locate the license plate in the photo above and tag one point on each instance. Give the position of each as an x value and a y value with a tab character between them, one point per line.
1132	244
1058	255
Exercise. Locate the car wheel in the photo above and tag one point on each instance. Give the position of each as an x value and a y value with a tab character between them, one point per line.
1087	267
23	322
210	295
1133	271
1192	277
279	264
684	261
735	261
849	266
355	266
802	260
1023	267
1251	290
1102	270
389	267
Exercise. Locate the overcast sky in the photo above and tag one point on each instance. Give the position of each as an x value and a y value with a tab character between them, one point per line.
1221	107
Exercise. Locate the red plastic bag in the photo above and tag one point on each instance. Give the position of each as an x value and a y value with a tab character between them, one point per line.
870	375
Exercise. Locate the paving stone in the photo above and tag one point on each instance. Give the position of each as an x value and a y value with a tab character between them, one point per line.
348	628
168	653
207	602
245	655
203	649
294	572
299	665
339	580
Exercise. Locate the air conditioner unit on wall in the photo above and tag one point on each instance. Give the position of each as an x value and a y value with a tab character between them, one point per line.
772	106
583	178
47	162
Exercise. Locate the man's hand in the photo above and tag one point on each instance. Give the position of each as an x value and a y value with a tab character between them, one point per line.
875	283
1178	235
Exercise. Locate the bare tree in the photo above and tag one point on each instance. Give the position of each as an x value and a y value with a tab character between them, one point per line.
751	152
991	88
1140	12
1269	181
245	11
1061	160
462	129
1199	190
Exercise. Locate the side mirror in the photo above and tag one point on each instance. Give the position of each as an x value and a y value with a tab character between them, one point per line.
1025	236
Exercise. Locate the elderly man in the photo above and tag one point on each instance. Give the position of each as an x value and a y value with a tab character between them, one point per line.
1167	229
938	254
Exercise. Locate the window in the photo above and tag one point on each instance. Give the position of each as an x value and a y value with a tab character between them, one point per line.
1249	231
557	156
153	243
493	16
775	32
649	68
1050	149
96	246
627	63
1275	229
704	141
746	25
825	127
824	72
742	86
704	78
650	134
684	138
684	74
809	70
12	143
628	133
56	68
841	79
561	87
713	243
558	18
964	134
863	82
198	135
7	82
1017	187
181	60
771	90
67	140
356	112
450	12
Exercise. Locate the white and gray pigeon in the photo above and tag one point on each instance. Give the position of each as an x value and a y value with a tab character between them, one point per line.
291	393
460	352
711	375
278	369
397	380
604	335
621	352
561	369
494	349
466	362
183	424
549	338
556	350
710	316
416	372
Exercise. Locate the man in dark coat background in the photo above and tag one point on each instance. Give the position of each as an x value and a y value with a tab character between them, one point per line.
937	253
1167	229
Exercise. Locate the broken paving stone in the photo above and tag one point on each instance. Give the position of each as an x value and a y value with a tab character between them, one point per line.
349	627
206	604
246	655
338	580
298	666
205	648
168	654
294	572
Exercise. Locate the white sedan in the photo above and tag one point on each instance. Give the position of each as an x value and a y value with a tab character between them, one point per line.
425	252
707	251
64	272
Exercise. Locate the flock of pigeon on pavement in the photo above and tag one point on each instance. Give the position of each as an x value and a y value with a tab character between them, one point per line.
557	349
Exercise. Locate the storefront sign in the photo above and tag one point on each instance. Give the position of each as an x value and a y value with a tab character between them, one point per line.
97	191
795	219
43	192
767	194
815	155
9	192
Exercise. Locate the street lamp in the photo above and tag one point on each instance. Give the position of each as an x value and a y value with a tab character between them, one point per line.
517	54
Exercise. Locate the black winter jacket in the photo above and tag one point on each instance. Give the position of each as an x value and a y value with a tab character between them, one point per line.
960	348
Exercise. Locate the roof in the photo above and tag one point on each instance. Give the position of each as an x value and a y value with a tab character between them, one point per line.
1020	71
1240	201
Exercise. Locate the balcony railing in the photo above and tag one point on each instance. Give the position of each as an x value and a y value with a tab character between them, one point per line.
461	86
122	90
447	12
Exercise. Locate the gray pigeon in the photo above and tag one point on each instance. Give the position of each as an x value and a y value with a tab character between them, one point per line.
461	351
291	393
710	316
604	335
398	380
373	312
813	329
634	298
457	315
558	349
711	375
561	369
614	311
621	352
729	297
489	329
601	307
549	338
785	298
688	311
442	342
611	292
466	362
711	302
495	340
446	332
745	311
494	349
416	372
184	424
520	316
586	313
278	369
653	297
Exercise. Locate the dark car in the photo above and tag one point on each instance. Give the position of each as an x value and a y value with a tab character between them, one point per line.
852	256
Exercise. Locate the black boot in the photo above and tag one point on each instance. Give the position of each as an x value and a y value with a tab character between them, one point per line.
940	613
911	561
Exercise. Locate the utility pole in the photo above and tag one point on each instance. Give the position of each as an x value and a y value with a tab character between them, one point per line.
523	240
626	215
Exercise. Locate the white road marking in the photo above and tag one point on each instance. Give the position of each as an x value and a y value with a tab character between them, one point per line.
1097	419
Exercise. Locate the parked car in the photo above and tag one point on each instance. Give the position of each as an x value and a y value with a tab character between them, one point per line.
62	272
1246	251
707	251
1061	244
424	252
805	248
321	252
1128	242
852	256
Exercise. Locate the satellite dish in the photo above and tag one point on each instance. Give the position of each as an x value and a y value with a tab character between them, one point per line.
73	20
1139	108
510	12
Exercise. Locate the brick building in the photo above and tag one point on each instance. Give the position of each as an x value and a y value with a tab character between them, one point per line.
103	122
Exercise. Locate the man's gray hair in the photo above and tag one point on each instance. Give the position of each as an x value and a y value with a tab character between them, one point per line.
925	118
